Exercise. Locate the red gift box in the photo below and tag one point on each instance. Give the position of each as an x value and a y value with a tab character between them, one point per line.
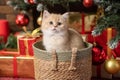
16	67
101	40
100	72
117	75
8	53
25	45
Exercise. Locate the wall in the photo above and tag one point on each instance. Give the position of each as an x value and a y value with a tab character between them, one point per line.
7	12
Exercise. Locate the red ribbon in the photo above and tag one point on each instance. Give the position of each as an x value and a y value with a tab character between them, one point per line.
83	23
114	54
15	74
98	69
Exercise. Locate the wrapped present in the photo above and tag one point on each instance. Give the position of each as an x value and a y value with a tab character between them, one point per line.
16	67
25	41
25	45
100	72
101	40
117	75
8	53
82	22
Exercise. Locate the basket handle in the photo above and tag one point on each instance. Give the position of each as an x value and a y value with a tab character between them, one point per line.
54	61
73	60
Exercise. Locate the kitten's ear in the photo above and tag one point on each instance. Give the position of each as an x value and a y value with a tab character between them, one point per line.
45	14
66	15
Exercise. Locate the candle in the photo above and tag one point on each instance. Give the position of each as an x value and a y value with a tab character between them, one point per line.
4	29
109	36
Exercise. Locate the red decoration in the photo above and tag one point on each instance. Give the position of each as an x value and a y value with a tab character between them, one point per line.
98	55
31	1
15	67
87	3
83	23
4	29
22	19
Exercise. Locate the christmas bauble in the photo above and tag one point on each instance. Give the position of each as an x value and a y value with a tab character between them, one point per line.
39	20
22	19
30	1
112	66
98	55
87	3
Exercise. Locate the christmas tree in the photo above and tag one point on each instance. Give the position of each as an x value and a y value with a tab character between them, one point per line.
110	19
35	7
52	5
28	4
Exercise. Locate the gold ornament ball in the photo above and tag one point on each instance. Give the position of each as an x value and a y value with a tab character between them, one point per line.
112	66
39	20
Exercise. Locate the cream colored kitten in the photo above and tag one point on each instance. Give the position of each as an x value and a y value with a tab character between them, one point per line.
57	35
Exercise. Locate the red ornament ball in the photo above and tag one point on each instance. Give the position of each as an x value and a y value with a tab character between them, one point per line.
87	3
30	1
22	19
98	55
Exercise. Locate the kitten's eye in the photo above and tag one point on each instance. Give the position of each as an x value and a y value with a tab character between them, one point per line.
51	22
59	23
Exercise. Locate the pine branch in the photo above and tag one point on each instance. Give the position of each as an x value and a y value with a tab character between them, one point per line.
111	18
113	43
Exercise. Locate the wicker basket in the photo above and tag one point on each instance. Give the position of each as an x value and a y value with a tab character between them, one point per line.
72	65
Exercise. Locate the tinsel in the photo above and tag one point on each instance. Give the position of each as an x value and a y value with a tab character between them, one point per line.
39	7
26	1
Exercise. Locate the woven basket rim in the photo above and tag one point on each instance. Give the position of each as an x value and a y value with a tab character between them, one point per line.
62	56
89	45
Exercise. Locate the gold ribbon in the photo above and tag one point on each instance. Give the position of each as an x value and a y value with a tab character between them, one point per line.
109	36
26	47
33	33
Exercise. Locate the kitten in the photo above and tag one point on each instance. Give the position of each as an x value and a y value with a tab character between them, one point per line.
57	35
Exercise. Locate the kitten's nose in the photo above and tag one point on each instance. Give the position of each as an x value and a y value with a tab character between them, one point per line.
55	26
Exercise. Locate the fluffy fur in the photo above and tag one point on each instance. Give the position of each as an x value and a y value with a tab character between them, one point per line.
57	35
